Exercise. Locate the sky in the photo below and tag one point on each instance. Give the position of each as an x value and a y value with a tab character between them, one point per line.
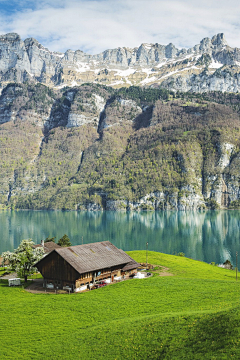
96	25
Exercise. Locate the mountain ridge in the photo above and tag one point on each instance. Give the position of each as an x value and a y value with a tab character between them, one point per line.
208	66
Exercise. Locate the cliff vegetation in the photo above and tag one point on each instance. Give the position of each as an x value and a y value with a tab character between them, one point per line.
93	147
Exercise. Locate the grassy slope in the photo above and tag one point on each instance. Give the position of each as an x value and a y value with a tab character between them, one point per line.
192	315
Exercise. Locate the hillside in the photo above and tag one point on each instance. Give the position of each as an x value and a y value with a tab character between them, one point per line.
193	314
94	147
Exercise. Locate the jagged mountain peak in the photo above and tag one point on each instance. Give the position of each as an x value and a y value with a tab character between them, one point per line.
10	37
32	41
219	40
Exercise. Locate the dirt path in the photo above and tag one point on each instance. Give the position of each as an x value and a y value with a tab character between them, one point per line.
165	272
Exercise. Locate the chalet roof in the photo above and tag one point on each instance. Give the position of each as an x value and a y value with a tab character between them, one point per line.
95	256
130	266
48	246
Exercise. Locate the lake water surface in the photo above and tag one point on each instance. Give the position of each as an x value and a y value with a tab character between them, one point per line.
208	236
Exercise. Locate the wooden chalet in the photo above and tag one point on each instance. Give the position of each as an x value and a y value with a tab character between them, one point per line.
79	267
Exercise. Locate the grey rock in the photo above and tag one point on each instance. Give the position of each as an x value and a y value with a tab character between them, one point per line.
220	81
127	111
92	117
93	207
219	40
28	60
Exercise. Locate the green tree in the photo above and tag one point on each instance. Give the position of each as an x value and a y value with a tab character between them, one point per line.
48	239
64	241
23	259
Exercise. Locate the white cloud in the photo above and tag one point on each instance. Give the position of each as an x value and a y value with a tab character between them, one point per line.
94	26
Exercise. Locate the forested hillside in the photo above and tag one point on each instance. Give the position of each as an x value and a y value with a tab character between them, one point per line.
94	147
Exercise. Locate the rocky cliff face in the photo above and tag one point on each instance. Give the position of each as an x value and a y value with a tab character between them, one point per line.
93	147
208	66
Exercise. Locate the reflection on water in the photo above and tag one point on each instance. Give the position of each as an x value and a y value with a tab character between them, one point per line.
208	236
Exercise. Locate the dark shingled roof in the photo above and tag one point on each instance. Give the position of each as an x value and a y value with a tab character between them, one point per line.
95	256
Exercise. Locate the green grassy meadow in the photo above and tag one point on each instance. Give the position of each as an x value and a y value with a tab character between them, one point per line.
194	314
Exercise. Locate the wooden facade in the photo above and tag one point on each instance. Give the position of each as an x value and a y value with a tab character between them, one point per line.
57	271
81	265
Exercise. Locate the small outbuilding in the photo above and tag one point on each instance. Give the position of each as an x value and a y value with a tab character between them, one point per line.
14	282
79	267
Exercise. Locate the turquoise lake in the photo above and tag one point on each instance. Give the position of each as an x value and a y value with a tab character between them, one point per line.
208	236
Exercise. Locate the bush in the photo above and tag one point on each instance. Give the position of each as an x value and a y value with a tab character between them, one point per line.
228	265
212	204
64	241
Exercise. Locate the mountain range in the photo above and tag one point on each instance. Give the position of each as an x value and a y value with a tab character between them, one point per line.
211	65
150	128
